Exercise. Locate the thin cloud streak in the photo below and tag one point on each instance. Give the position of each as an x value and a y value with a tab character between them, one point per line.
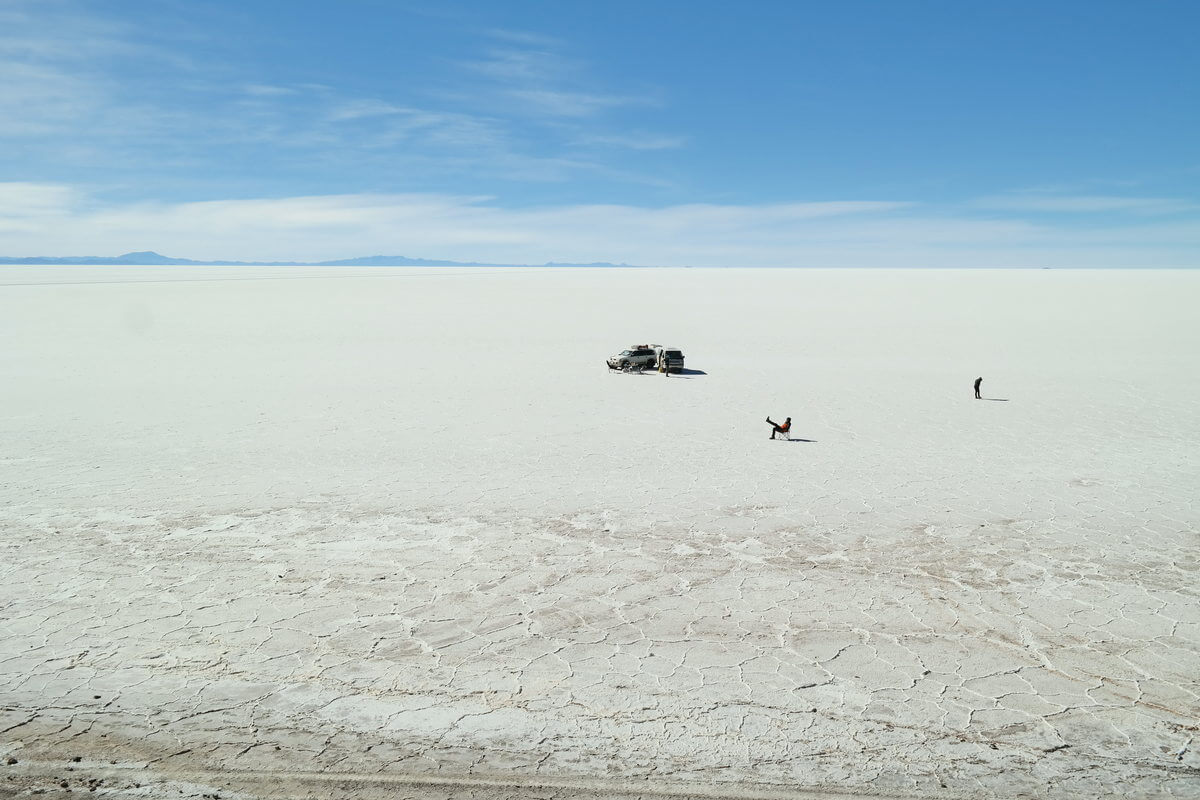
634	141
544	82
263	90
526	38
572	104
1086	204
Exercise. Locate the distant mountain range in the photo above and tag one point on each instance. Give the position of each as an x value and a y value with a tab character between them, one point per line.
149	257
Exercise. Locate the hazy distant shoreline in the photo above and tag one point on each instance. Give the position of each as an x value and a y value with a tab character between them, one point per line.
149	258
152	259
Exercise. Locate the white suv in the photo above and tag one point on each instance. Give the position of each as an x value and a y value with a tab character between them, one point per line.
640	355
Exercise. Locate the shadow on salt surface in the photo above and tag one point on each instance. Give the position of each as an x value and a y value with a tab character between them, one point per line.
685	373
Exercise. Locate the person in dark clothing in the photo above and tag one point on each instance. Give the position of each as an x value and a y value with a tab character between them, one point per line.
978	383
777	428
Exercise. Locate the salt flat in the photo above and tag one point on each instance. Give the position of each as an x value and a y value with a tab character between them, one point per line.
398	532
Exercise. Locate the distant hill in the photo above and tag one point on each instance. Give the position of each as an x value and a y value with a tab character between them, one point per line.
140	258
150	258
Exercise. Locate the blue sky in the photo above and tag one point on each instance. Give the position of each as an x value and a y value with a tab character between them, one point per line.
714	134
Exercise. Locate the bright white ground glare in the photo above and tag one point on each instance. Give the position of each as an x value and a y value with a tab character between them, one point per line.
398	532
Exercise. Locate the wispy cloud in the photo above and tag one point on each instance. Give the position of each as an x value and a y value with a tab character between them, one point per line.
572	104
824	234
633	141
264	90
525	38
81	91
36	100
521	67
28	208
1086	204
533	72
58	63
359	109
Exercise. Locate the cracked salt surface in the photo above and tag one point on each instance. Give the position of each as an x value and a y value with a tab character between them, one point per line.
256	549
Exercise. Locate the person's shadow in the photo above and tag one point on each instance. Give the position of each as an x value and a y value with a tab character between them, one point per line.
995	399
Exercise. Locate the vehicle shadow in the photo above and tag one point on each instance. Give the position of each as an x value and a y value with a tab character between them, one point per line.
683	373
